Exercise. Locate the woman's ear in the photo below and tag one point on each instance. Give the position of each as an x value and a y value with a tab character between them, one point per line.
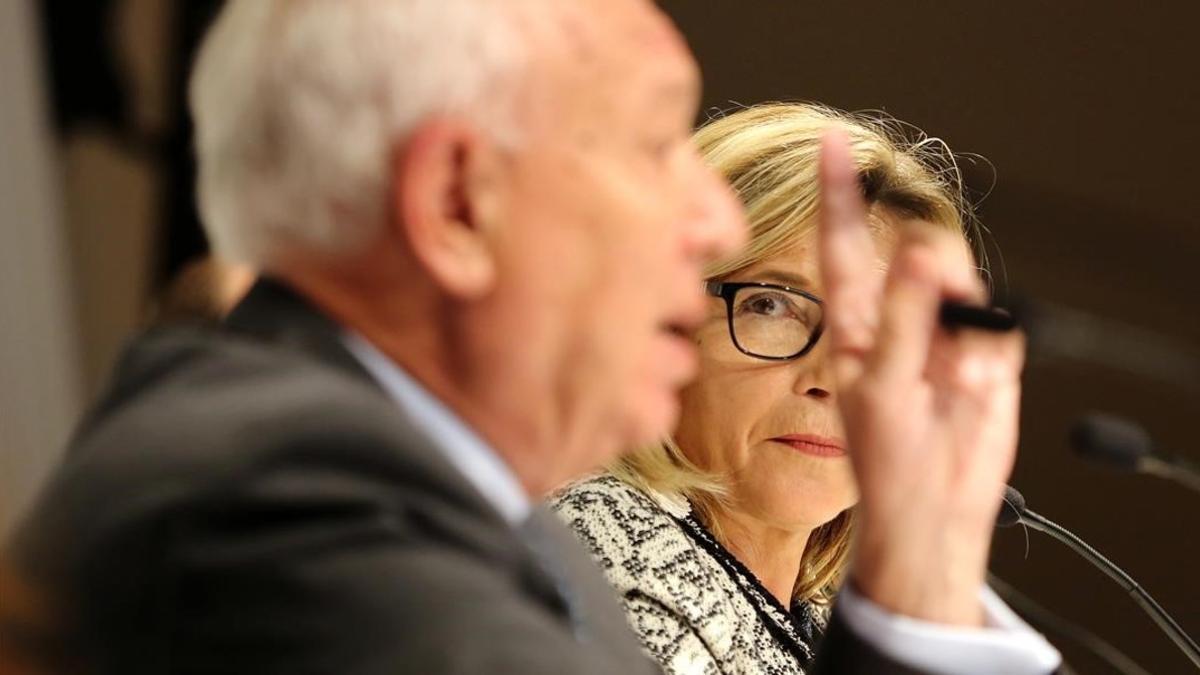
444	196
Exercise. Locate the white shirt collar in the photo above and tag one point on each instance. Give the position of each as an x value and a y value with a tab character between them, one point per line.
470	454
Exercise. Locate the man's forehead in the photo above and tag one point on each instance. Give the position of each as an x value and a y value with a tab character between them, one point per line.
635	29
638	19
611	60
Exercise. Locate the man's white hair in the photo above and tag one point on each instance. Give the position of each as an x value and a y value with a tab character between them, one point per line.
298	103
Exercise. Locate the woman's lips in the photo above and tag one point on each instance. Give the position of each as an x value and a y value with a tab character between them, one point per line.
818	446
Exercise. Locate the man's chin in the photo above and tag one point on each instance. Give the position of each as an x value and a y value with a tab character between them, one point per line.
646	422
654	419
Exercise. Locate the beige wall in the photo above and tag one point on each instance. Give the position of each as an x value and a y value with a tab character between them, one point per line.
76	242
39	374
111	198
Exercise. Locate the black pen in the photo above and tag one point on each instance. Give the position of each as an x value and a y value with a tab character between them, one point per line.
956	314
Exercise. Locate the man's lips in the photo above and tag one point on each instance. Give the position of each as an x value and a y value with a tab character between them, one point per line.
811	444
681	350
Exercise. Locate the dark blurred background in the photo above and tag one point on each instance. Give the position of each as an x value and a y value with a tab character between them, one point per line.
1085	112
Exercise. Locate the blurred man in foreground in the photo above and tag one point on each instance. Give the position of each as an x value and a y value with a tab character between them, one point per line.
481	228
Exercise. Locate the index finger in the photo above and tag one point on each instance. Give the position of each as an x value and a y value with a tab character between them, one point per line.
848	260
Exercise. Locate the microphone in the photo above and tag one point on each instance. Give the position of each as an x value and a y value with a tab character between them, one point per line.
1011	508
955	314
1058	332
1125	445
1014	505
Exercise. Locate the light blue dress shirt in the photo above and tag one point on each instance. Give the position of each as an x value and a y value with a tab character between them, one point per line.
469	453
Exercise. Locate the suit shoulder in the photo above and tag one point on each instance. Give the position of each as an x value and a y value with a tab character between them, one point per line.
207	400
192	415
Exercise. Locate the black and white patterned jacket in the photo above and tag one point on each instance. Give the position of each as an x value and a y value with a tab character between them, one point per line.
695	608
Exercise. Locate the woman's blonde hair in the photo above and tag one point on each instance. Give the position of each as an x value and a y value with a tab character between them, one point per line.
770	155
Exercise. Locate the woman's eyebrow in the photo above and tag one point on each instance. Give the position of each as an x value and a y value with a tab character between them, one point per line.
785	278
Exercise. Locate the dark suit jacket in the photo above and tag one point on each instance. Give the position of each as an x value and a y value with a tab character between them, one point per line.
245	499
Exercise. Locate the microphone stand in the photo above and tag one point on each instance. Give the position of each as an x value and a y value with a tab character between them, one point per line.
1143	599
1123	444
1059	626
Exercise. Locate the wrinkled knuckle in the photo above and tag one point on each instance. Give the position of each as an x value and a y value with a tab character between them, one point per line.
972	374
985	374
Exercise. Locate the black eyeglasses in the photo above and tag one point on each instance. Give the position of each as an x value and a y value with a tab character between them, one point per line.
769	321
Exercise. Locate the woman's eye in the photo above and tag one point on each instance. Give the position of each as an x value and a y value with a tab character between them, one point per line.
768	304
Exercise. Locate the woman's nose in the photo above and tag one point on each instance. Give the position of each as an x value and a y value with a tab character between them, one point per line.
818	392
815	373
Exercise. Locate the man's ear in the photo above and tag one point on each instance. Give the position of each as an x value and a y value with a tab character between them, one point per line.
445	192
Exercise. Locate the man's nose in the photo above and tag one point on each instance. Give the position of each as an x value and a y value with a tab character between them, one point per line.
718	224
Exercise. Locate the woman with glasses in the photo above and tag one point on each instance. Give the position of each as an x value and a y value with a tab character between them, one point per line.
727	543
